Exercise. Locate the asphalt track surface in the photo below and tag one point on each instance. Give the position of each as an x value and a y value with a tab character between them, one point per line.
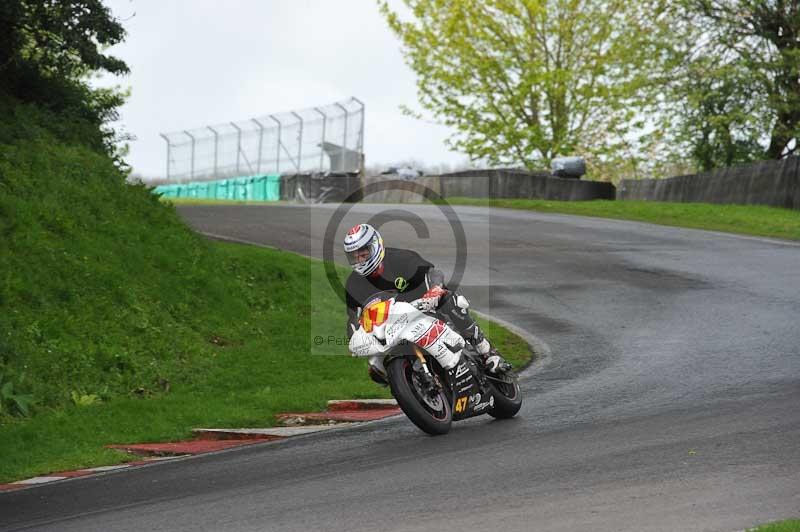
670	399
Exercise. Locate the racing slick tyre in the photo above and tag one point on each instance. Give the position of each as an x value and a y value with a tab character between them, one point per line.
507	398
431	413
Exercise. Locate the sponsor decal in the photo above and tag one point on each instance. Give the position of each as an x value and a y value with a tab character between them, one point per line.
398	324
400	283
419	328
465	388
432	334
462	369
354	230
364	348
478	406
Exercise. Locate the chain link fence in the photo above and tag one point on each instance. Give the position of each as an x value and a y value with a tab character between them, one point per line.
328	138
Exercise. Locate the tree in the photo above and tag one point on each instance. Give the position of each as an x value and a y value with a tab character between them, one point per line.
736	94
523	81
61	37
724	115
47	50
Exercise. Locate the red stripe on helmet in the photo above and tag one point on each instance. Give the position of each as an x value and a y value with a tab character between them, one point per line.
354	230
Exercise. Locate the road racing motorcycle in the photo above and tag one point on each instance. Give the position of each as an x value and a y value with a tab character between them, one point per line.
434	374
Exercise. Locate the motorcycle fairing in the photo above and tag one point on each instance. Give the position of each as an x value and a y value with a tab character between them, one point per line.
469	397
390	323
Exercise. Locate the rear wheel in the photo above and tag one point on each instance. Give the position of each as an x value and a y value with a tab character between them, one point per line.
507	398
430	411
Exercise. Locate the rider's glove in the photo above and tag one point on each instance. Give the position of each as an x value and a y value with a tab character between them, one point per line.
430	299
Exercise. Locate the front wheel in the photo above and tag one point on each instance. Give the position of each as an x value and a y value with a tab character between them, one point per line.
430	412
507	398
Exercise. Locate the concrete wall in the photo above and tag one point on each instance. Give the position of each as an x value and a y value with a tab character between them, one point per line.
775	183
313	185
499	184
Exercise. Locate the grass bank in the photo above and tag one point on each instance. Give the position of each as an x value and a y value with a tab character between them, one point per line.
791	525
742	219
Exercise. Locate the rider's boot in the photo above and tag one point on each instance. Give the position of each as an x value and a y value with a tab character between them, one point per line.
493	361
496	364
455	307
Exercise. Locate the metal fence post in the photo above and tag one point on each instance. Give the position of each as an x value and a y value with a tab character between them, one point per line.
216	148
344	141
322	143
299	142
191	172
278	158
260	144
360	135
169	152
238	146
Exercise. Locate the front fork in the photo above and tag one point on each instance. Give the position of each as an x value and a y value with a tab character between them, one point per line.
430	379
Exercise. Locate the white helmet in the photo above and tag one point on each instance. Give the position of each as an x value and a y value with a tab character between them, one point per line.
363	246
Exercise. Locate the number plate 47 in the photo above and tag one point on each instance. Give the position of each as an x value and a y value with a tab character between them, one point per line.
461	404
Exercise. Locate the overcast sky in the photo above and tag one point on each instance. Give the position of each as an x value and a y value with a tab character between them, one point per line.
206	62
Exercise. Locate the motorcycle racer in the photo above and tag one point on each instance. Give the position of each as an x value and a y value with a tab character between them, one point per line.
377	268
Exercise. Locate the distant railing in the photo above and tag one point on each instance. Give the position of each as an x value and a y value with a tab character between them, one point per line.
328	138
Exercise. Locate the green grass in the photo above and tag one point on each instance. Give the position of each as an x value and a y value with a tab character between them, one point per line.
743	219
791	525
256	361
513	348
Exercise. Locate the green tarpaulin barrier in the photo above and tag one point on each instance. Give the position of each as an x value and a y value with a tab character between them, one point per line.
249	188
